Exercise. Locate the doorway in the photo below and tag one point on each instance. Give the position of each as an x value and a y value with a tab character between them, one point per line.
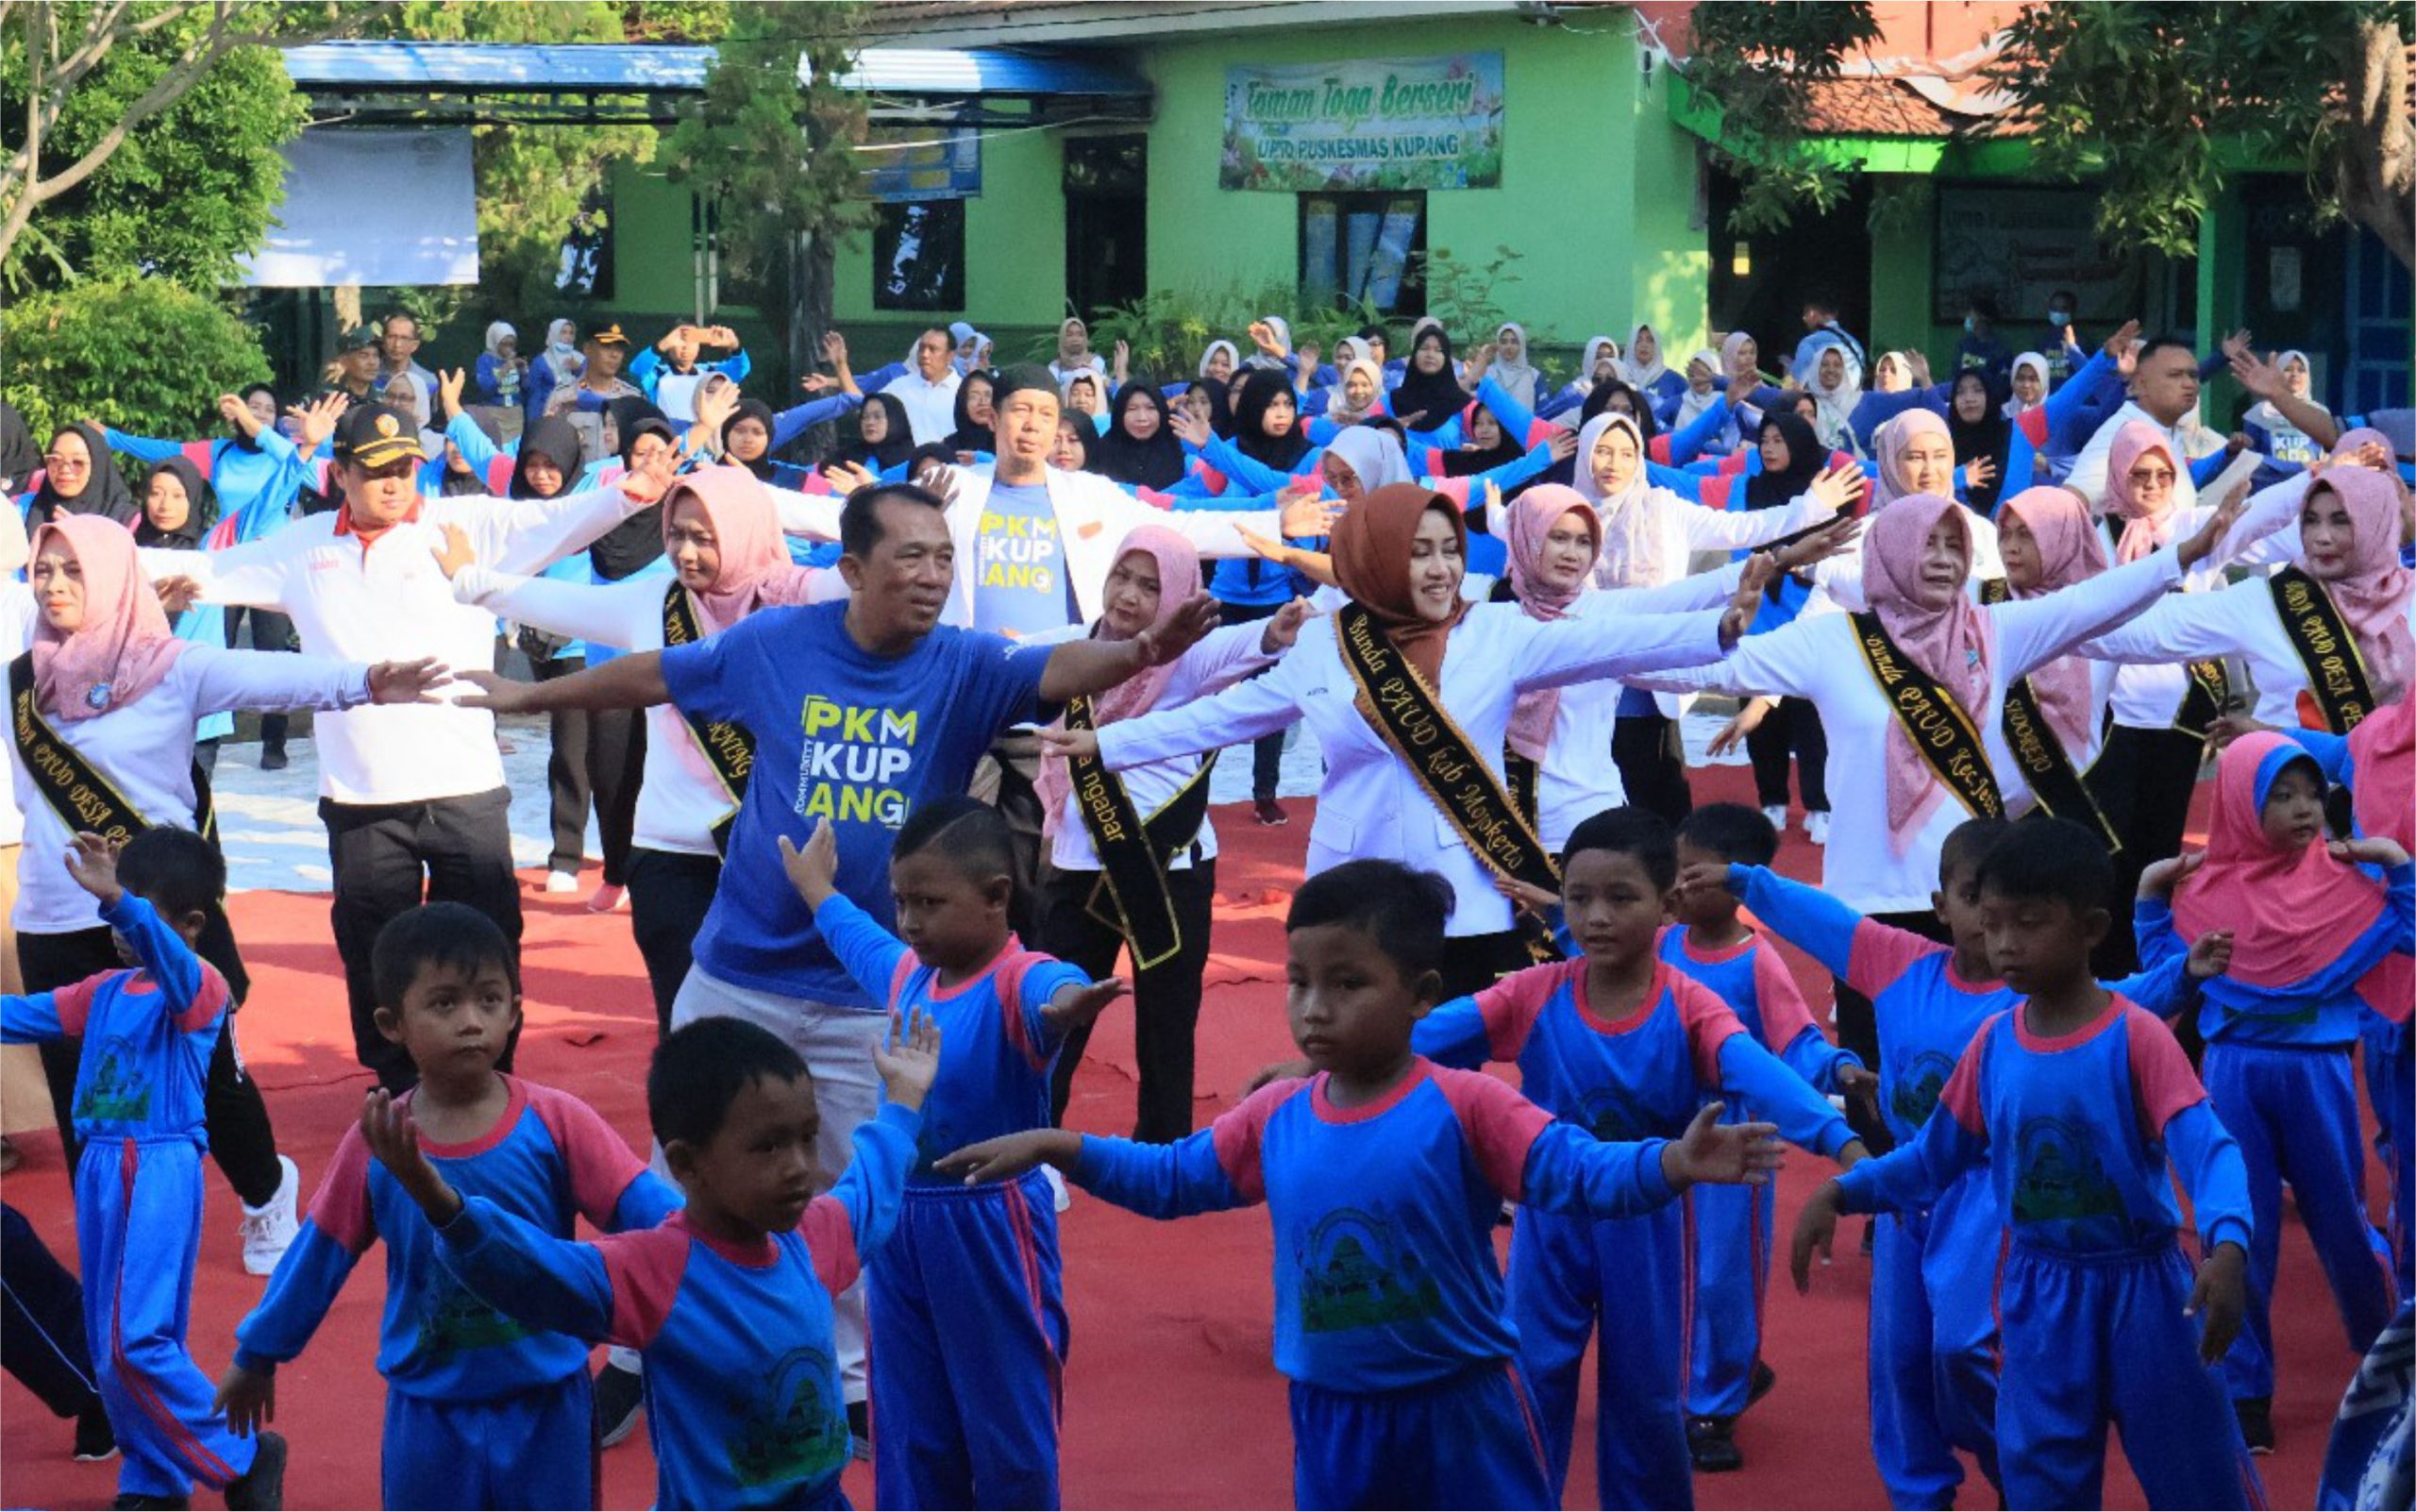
1107	201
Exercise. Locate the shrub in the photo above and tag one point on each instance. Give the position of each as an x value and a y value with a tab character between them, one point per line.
143	355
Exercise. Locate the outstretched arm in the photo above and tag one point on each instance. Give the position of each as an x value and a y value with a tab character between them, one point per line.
624	683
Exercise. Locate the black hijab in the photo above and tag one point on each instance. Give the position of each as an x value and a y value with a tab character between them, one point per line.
1258	392
555	439
892	449
632	418
1640	410
1990	436
201	507
753	408
19	459
968	436
1220	407
1467	459
1156	462
638	540
1437	397
1766	489
105	491
242	438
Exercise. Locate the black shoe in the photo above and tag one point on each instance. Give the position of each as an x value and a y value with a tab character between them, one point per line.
2255	1422
1712	1442
860	1429
1758	1384
262	1489
620	1401
136	1501
94	1439
273	758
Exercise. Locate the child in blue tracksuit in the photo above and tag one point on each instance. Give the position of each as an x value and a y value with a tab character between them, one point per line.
727	1300
969	1303
2309	928
480	1410
1933	1375
1625	1047
1732	1270
148	1034
1382	1174
2074	1100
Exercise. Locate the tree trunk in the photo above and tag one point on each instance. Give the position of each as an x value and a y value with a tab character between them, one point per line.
2376	159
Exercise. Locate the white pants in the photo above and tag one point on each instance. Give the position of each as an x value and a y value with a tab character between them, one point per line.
836	1044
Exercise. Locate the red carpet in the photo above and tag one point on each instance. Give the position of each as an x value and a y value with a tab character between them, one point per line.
1170	1398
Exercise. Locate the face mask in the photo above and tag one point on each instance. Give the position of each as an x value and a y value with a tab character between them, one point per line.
1970	323
2059	315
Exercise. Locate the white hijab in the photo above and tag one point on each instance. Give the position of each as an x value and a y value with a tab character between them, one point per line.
1373	455
1283	329
1692	407
1230	350
2012	408
1631	533
1834	404
1517	379
1595	345
2263	412
1644	377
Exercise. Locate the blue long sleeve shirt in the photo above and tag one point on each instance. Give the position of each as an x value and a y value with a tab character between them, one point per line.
2323	1009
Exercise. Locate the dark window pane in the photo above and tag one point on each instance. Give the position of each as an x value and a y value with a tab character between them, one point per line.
1363	248
918	256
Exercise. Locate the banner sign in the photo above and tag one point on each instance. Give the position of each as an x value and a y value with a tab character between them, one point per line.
1379	123
901	167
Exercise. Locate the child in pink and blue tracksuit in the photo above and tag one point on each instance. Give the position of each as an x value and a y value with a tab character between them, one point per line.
148	1033
1625	1047
1732	1253
2076	1101
481	1411
968	1303
1382	1174
728	1300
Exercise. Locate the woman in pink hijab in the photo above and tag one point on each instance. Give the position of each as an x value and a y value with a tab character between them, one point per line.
106	685
1156	572
721	533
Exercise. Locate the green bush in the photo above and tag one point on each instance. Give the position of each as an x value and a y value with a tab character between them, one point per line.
1169	329
145	356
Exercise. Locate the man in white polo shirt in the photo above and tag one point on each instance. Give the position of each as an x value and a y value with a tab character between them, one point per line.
413	795
928	390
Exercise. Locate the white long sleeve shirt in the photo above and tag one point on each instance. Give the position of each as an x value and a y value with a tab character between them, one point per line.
931	408
386	601
1816	658
145	749
679	798
17	610
2189	441
1370	802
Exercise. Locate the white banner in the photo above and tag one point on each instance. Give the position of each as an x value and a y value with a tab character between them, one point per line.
382	209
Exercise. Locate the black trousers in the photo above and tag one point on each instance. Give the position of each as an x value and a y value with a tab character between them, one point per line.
616	764
1792	729
2142	780
1166	997
1474	962
567	785
1016	760
241	1139
1652	760
1267	752
1858	1028
41	1320
670	892
271	631
389	858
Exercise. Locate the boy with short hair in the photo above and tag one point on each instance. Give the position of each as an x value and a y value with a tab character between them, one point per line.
1382	1174
973	1423
481	1411
2076	1101
148	1034
1709	943
727	1300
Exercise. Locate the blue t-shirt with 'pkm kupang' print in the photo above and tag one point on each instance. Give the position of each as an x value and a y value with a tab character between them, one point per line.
841	734
1019	566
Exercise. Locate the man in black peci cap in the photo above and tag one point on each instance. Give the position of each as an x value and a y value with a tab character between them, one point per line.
354	373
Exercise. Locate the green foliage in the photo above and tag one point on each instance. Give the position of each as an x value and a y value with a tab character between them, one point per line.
1460	293
1753	62
1170	328
2136	95
141	354
188	191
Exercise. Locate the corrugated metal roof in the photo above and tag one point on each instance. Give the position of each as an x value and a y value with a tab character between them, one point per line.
631	68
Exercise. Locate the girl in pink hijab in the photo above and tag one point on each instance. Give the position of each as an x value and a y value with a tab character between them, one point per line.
2142	489
2309	928
2048	543
1156	573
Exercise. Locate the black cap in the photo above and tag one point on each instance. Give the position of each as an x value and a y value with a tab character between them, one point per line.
1019	376
607	335
357	338
374	435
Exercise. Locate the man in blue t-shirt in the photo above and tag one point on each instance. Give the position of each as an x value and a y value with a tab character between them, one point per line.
858	712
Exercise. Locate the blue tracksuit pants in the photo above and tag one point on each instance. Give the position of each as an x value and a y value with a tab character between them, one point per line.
969	1336
138	1221
2295	1113
2390	1053
1731	1282
2098	1339
1629	1276
536	1448
1469	1441
1933	1375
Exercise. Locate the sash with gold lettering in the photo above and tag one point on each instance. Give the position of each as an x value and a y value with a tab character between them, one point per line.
2336	672
1398	701
1130	897
2208	696
1520	775
2055	781
1940	728
728	746
79	793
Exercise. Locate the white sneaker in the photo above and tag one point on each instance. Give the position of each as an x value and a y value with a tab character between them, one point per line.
1057	1187
1776	813
269	1230
1815	827
561	882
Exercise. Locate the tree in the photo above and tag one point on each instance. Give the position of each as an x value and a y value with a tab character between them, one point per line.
146	131
1754	61
141	354
2139	95
774	158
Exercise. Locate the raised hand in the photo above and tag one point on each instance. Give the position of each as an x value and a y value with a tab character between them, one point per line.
236	413
455	553
317	420
1746	602
846	477
1284	629
249	1398
408	681
1980	472
2160	878
2237	344
2209	535
715	404
1732	1154
1562	444
835	348
1705	877
2118	344
1190	429
2209	955
1178	632
176	594
1840	486
2220	1296
1011	1155
1306	354
1075	1007
647	483
1306	512
1261	336
910	1060
93	862
449	391
814	870
393	1138
1526	897
1841	534
818	382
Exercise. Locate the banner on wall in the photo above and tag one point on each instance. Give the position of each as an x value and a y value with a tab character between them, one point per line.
1376	122
2019	248
902	167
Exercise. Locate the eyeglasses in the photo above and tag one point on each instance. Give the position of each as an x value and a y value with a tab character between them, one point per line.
58	464
407	340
